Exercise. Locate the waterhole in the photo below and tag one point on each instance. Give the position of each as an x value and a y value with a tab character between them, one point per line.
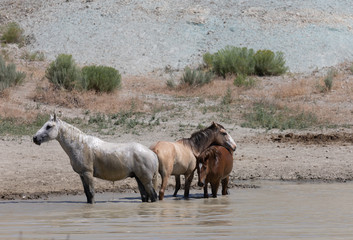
275	210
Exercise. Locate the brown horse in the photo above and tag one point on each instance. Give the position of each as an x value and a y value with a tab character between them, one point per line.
179	158
214	165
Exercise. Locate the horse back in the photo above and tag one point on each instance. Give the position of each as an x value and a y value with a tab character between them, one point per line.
174	157
118	161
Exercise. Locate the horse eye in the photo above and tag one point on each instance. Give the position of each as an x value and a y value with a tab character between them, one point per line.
48	127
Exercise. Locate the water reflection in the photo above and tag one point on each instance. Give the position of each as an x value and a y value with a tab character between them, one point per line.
276	210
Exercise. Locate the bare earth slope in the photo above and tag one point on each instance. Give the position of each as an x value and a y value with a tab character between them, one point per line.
141	36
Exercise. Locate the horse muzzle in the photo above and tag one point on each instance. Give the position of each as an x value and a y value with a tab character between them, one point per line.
36	140
234	147
231	147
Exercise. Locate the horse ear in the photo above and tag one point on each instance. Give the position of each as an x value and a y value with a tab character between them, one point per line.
54	118
214	125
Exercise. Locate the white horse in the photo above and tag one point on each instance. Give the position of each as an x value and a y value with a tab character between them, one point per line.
92	157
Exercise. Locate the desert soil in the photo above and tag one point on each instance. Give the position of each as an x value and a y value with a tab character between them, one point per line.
152	41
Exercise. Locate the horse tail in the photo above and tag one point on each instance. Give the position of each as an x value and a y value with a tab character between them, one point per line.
155	180
155	174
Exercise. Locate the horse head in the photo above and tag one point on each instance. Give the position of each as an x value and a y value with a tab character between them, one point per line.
222	138
48	132
204	164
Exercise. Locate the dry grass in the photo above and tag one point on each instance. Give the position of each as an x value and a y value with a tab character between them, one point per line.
293	89
216	88
12	111
103	103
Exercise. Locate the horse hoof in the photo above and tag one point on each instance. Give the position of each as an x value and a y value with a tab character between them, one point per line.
161	196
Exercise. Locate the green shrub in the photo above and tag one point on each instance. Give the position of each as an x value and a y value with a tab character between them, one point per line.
63	72
208	60
244	81
227	98
328	80
8	75
12	33
101	78
268	63
35	56
244	61
170	83
233	60
269	116
196	77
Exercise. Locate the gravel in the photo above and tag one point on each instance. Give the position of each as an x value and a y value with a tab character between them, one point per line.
137	37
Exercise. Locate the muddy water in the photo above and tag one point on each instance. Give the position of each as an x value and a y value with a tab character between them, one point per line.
273	211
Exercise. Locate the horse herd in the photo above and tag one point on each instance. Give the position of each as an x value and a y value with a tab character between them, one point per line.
209	151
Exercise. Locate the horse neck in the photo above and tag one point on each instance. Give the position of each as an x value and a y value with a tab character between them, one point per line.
200	141
68	134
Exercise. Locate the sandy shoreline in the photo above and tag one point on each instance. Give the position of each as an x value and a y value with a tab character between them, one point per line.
31	171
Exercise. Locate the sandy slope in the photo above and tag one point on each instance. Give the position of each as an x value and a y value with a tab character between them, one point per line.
141	36
30	171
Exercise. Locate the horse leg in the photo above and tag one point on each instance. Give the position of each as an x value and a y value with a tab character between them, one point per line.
87	182
214	188
188	180
177	185
165	178
143	192
205	190
225	186
151	193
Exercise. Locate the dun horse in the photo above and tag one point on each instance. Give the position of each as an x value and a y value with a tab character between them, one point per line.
92	157
179	158
214	165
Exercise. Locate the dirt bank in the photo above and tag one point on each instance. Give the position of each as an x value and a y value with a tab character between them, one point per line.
31	171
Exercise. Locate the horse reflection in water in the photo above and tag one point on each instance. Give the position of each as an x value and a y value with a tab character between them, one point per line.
92	157
179	158
214	166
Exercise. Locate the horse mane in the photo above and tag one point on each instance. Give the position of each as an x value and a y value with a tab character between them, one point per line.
199	139
70	129
210	153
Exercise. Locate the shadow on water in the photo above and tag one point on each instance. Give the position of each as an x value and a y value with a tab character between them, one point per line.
128	199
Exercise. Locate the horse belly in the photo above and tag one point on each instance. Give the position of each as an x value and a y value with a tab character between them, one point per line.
110	168
228	167
185	164
179	169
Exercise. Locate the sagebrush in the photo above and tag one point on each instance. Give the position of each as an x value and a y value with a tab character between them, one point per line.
268	63
194	77
64	72
328	80
233	60
242	80
244	61
12	33
8	75
100	78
